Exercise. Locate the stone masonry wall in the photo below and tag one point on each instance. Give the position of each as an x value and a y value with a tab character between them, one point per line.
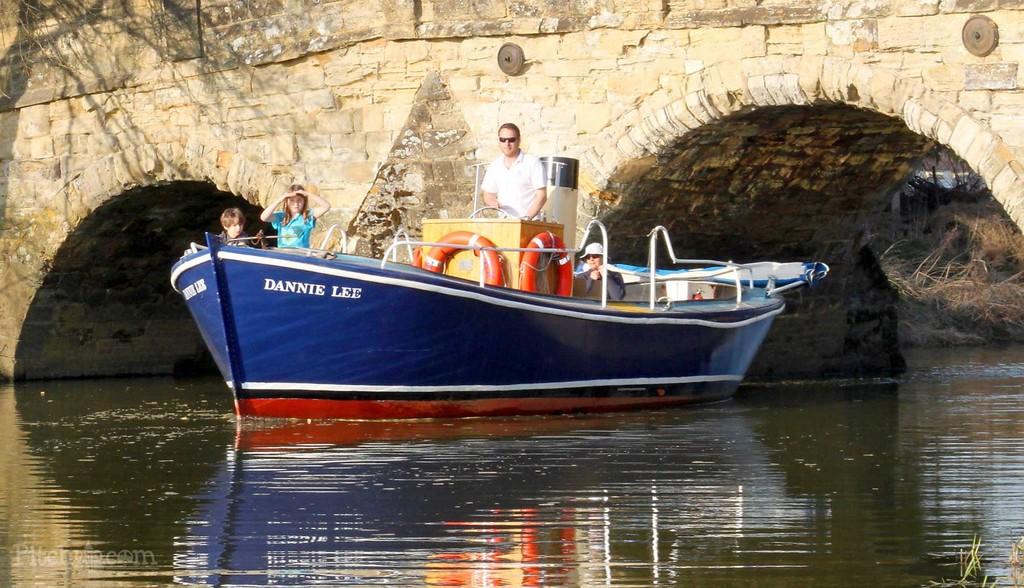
253	95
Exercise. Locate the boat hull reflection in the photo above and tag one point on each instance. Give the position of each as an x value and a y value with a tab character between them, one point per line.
481	502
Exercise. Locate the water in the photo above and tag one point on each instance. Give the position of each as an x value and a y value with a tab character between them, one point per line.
854	483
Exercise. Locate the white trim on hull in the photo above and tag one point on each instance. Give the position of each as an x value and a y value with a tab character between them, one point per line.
486	388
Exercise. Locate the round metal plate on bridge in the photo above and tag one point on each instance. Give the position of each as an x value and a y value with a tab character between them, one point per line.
511	59
980	35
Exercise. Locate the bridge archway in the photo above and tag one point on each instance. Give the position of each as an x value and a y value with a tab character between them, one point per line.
730	88
102	303
791	166
105	306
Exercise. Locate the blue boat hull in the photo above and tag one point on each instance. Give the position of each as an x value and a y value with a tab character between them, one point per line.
303	337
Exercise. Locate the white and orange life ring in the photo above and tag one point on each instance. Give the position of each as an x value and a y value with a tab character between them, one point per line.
530	259
437	257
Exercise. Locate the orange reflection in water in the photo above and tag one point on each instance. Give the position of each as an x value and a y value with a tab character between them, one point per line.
517	551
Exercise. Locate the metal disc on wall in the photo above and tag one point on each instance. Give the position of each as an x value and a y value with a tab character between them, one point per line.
511	59
980	35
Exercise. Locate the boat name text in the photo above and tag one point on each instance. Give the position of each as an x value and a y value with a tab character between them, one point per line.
194	288
310	289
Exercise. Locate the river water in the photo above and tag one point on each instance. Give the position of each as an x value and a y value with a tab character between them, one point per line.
136	482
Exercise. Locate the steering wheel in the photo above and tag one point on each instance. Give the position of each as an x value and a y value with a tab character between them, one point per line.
501	213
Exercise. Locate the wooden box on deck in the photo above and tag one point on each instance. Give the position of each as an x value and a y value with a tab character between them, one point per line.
503	232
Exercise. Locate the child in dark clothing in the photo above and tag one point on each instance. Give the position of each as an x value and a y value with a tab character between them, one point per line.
232	220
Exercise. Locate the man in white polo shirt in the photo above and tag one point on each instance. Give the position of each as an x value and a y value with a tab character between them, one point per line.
515	181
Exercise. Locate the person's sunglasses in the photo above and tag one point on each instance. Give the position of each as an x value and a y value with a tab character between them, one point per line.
508	139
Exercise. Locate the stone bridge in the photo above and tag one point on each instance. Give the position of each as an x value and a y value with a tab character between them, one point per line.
749	128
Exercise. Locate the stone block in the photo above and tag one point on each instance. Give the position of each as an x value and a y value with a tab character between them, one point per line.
859	35
34	121
41	148
914	7
901	33
1002	182
945	77
557	118
632	83
593	119
758	91
983	144
372	118
482	48
975	101
968	5
942	30
814	39
990	76
464	84
359	172
1009	127
315	100
345	75
881	88
379	144
313	147
333	122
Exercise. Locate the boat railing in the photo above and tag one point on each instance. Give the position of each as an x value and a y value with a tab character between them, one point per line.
594	223
343	241
401	237
322	251
476	182
728	267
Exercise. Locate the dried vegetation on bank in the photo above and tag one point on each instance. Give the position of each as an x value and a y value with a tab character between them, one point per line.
958	264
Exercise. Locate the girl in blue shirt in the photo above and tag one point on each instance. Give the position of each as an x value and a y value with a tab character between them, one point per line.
295	224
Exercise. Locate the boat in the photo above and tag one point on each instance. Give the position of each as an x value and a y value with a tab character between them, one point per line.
317	334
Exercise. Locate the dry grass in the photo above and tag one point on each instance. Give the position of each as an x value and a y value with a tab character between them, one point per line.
961	281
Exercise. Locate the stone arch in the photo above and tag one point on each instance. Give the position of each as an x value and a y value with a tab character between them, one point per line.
114	321
646	154
149	165
729	88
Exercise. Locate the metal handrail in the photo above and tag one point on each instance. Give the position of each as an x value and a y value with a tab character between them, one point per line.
652	255
388	251
391	248
476	182
604	266
401	237
327	238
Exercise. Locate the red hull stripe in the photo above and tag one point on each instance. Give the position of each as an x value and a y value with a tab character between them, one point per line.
414	409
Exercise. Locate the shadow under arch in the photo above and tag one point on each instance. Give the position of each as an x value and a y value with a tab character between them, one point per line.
105	306
785	183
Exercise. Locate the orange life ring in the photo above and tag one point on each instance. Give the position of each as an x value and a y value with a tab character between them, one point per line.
528	264
436	257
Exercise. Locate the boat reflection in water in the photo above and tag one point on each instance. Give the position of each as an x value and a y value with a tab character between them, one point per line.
482	502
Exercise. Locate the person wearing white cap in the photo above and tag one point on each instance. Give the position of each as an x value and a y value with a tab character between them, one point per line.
593	259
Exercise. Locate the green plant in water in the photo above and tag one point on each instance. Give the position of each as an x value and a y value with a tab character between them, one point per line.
971	568
1017	564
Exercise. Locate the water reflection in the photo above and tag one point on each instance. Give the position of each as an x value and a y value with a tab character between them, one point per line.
830	484
94	484
641	498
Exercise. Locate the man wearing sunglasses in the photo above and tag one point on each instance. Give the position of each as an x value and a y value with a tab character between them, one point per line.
515	181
